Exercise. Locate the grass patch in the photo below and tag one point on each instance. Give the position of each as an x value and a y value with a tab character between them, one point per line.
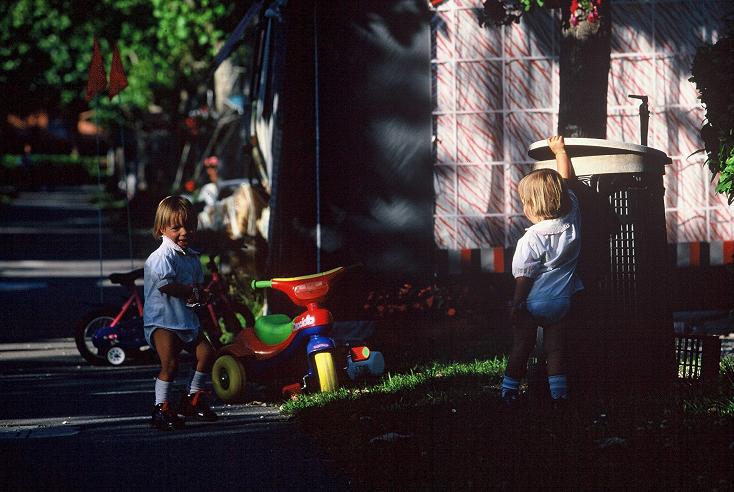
441	425
417	387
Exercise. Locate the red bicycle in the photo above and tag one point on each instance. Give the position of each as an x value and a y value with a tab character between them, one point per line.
108	333
109	316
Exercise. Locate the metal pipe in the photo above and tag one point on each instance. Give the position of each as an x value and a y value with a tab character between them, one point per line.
644	117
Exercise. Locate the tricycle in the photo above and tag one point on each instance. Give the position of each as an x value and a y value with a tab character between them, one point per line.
276	345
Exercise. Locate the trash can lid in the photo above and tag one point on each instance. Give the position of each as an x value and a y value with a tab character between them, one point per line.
577	147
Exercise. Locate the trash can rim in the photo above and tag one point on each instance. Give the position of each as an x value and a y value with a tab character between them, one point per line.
577	147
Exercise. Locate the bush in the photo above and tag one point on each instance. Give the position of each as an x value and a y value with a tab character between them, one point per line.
42	169
713	74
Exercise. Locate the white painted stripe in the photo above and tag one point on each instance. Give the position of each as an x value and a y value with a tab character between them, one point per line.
38	432
487	259
684	254
454	261
50	344
716	253
122	392
21	286
69	268
52	230
10	427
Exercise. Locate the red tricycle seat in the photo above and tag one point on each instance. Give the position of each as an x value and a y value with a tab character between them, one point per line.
262	351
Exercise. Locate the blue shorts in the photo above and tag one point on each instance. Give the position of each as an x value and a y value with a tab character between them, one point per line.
549	312
190	338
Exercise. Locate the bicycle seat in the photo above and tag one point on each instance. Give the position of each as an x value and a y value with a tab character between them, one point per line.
273	328
126	278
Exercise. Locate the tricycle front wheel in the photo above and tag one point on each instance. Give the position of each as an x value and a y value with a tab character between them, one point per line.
228	378
325	371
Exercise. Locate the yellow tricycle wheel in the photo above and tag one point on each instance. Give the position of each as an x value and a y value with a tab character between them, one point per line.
325	371
228	378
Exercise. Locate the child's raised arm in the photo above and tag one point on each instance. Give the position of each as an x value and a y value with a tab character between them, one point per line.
563	162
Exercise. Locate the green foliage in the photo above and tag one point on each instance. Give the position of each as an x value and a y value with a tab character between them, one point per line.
40	168
13	161
165	45
713	74
238	279
528	4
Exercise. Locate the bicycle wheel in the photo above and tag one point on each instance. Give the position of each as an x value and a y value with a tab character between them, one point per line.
228	378
325	371
87	327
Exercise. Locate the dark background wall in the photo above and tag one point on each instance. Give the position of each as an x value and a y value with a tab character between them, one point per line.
374	121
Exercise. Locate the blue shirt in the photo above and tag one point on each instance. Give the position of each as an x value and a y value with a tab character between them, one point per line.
166	265
548	253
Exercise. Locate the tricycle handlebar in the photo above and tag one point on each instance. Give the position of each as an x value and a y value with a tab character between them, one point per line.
261	284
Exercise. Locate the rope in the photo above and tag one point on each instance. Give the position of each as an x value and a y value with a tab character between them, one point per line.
127	194
99	205
318	136
127	191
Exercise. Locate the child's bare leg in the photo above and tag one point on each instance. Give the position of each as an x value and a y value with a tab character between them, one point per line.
204	361
195	405
204	356
168	346
554	341
523	340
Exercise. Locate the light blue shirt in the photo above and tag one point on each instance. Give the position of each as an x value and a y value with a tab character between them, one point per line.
166	265
548	252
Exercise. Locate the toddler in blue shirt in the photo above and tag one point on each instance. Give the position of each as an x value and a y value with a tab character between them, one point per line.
172	277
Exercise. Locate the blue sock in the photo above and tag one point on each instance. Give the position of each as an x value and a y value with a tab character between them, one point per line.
510	387
558	387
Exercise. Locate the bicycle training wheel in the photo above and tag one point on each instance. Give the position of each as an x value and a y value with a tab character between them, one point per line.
325	371
87	327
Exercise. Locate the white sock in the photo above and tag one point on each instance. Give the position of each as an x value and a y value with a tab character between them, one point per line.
510	386
558	387
198	382
162	389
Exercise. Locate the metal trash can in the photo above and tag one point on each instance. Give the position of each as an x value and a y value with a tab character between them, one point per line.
622	328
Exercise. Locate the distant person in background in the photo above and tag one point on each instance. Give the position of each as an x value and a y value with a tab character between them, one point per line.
25	162
209	193
25	159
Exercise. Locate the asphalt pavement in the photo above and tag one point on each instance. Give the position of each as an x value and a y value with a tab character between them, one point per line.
66	425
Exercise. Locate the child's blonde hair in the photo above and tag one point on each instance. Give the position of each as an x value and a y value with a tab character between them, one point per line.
173	210
544	194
